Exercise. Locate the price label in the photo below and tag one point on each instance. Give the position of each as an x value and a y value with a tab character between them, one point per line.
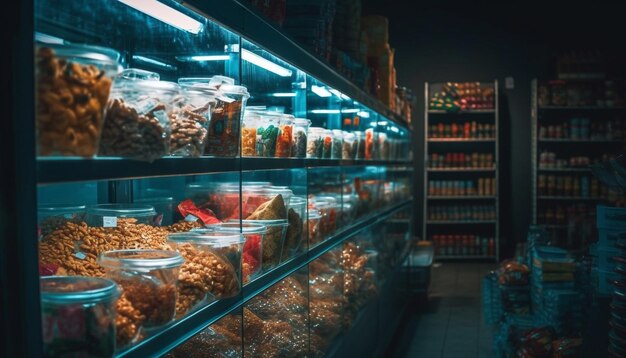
80	255
191	217
109	221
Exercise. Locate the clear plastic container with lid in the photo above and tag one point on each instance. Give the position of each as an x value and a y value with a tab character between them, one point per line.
148	281
273	241
191	119
252	197
163	206
110	215
297	219
252	257
349	146
315	143
284	142
222	198
268	130
138	116
360	145
251	121
300	133
225	125
72	85
211	269
313	227
78	316
327	142
383	146
52	216
329	209
337	145
370	149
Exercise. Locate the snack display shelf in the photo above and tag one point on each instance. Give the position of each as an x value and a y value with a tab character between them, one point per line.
441	111
179	331
462	222
60	170
436	140
444	170
466	197
471	130
573	170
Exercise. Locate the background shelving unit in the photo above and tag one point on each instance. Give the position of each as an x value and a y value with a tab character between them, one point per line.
466	145
573	230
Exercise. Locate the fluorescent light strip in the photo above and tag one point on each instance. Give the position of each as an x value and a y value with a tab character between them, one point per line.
284	94
382	123
266	64
154	62
166	14
49	39
333	111
395	130
363	114
321	91
202	58
339	94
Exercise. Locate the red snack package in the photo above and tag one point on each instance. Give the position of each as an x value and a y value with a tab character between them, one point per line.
190	211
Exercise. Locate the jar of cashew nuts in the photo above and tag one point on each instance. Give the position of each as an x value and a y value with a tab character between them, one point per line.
72	84
148	281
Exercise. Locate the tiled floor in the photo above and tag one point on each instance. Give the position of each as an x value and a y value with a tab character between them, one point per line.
450	323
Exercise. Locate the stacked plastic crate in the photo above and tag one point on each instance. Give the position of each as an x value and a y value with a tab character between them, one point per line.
609	271
310	22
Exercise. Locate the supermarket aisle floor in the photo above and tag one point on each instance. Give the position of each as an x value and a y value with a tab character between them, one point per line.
451	323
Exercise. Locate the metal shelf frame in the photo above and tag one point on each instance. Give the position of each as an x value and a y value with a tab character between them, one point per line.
461	222
438	142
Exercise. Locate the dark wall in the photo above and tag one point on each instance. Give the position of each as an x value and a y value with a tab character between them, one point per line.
440	42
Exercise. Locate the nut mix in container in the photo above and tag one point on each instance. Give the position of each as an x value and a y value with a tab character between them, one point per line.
72	87
300	130
249	133
148	280
327	143
107	215
349	146
52	216
284	142
138	116
211	268
315	143
78	316
190	119
360	144
251	258
225	126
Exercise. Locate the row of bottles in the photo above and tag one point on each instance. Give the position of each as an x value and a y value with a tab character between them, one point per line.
480	187
461	160
463	245
461	212
468	130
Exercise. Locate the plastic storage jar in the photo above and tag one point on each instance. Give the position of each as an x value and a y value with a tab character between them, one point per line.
349	146
224	129
78	316
211	269
108	215
267	134
248	134
148	280
297	219
52	216
315	143
327	143
370	150
72	85
284	143
138	115
252	257
328	208
337	146
360	145
313	227
383	146
253	197
221	198
163	206
273	241
191	119
300	132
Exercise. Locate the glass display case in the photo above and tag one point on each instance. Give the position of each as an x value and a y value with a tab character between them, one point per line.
198	166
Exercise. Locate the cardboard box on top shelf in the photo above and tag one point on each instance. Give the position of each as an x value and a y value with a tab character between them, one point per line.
377	28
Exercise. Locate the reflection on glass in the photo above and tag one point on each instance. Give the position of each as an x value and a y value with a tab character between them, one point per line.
221	339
